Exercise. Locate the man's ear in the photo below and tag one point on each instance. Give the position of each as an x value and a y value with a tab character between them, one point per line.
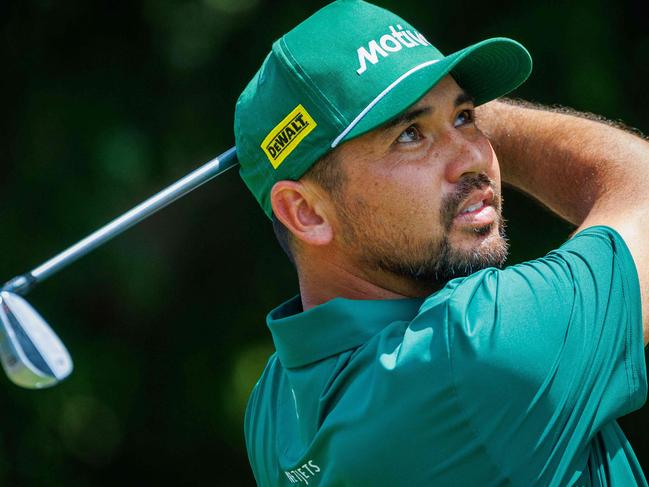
303	211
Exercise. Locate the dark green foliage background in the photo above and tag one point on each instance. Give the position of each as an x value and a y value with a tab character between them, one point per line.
104	103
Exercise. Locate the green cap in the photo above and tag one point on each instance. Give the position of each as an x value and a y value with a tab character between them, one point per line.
344	71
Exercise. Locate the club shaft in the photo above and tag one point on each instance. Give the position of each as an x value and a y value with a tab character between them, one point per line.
218	165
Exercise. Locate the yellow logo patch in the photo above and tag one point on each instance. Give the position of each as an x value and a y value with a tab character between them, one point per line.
287	135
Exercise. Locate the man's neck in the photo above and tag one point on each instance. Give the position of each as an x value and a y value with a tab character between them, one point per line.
324	279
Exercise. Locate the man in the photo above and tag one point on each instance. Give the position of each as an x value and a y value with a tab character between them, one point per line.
409	357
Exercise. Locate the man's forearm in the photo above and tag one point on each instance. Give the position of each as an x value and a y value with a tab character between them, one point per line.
588	172
567	162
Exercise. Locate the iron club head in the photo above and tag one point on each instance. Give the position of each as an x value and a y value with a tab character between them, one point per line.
31	353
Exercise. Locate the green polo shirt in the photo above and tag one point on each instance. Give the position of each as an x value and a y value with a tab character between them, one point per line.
505	377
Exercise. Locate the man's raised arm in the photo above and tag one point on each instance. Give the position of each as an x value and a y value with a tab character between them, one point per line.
587	171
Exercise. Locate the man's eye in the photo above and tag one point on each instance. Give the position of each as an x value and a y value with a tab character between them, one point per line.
464	117
411	134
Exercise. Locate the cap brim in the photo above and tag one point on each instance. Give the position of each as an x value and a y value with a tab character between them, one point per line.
486	70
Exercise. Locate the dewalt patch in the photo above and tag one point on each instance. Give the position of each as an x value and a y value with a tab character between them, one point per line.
287	135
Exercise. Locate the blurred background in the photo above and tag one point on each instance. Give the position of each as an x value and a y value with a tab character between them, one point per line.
104	103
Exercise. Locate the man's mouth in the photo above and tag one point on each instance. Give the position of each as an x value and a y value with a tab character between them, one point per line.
473	208
478	209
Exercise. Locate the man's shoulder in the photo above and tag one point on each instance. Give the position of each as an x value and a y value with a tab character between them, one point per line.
593	249
265	390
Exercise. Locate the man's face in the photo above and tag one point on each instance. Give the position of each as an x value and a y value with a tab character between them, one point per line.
421	199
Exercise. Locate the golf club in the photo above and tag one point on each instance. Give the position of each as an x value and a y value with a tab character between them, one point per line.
31	354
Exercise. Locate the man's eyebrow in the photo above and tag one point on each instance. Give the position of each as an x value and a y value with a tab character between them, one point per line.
413	114
406	118
464	97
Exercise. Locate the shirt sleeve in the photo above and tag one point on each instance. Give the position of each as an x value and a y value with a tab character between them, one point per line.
545	353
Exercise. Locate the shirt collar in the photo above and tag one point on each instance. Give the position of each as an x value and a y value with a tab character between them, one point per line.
302	337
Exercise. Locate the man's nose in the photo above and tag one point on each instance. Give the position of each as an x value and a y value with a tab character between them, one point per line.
469	154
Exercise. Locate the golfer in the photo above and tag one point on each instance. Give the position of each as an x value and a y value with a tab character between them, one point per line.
411	355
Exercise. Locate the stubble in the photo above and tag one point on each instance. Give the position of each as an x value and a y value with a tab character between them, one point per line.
428	263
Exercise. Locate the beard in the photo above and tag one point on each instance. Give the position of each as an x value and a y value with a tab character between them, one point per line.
428	264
